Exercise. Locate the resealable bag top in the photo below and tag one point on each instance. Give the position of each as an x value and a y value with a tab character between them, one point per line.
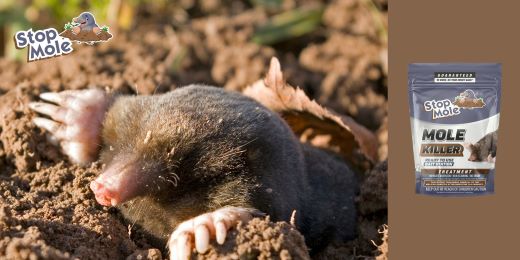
454	112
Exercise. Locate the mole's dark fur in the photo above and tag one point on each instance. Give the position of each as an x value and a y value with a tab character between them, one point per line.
486	146
203	148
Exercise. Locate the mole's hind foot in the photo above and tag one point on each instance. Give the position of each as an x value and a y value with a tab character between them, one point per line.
77	117
201	229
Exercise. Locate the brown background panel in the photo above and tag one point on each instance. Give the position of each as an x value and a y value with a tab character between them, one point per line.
423	227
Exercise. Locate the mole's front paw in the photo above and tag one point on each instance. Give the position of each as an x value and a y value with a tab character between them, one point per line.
77	118
76	30
201	229
96	30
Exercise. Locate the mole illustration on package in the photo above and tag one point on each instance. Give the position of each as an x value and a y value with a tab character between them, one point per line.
454	114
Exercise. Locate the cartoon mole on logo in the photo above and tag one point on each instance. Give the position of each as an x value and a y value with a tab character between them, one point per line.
469	100
189	164
86	23
468	94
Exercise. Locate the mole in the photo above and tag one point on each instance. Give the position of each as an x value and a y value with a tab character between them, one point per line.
485	149
87	23
468	93
188	165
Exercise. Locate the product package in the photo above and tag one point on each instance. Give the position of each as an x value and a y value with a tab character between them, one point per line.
454	112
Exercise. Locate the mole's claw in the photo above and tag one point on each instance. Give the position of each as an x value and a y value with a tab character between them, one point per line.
184	245
53	127
78	116
55	112
220	232
205	227
78	152
180	247
52	139
53	97
201	238
173	255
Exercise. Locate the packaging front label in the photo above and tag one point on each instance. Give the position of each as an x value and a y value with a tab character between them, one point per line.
454	112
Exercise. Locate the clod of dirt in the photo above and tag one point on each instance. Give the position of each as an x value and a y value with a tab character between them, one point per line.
353	68
22	144
87	37
373	195
149	254
30	245
354	17
259	239
56	206
383	247
382	137
236	61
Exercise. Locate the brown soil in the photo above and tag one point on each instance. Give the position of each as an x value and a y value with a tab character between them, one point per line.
372	204
86	37
46	208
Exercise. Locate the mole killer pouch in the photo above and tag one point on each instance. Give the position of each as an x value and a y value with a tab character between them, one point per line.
454	112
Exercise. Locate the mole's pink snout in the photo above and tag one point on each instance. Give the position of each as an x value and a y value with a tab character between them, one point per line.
103	195
117	184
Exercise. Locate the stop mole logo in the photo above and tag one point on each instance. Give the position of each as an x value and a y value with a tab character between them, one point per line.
49	43
42	44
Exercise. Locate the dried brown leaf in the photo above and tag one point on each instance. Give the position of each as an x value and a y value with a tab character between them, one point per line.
309	120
